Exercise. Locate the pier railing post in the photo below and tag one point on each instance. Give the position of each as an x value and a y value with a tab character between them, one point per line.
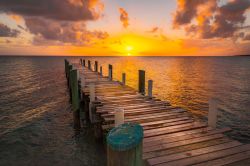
124	145
123	78
101	70
75	98
110	72
89	64
91	99
96	66
212	113
141	83
150	88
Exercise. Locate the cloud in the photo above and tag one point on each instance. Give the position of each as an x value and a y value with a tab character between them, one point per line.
67	10
154	30
57	21
246	37
206	19
62	32
5	31
124	18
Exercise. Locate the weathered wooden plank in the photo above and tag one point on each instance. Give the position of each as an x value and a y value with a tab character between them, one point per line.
168	139
229	160
208	156
185	148
181	143
196	152
166	130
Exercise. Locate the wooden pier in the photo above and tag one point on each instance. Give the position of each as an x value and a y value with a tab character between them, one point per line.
171	135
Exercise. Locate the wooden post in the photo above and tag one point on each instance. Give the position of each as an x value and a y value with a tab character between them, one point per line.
124	145
91	99
123	78
101	70
110	72
150	88
212	113
119	116
69	82
141	83
65	67
84	62
75	98
96	66
81	61
89	65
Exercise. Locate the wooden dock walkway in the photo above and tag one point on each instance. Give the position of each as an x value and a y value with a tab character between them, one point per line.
171	135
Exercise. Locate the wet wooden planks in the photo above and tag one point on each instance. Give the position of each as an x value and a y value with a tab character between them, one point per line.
171	135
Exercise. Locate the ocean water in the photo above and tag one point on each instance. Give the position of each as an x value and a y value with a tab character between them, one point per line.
36	122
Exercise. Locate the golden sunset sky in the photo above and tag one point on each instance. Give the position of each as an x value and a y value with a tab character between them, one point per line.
125	27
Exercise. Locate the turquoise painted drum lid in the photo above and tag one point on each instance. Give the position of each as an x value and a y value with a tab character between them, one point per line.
125	136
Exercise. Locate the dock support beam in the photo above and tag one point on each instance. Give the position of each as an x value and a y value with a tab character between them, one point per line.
123	78
75	98
110	72
141	83
212	113
150	88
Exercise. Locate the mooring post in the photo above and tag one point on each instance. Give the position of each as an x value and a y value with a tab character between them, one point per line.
91	99
119	116
123	78
212	113
80	61
84	63
110	72
96	66
141	83
89	64
124	145
101	70
75	98
150	88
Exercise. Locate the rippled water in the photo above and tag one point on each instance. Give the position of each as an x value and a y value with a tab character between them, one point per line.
35	117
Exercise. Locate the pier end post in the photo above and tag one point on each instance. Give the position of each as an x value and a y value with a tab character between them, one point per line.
124	145
123	78
212	113
141	82
150	88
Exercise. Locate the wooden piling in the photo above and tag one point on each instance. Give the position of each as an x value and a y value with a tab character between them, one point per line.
89	64
96	66
75	99
84	63
212	113
124	145
123	78
91	99
101	70
141	83
110	72
150	88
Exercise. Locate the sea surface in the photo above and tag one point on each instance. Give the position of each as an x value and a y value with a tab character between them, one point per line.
36	121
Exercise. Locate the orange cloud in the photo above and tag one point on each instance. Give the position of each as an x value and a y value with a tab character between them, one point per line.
124	18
